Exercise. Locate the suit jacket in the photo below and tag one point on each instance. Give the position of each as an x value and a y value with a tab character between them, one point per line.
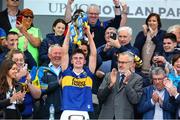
148	109
120	100
4	21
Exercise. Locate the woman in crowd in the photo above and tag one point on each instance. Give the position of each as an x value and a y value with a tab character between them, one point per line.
149	40
30	36
11	94
24	77
174	72
57	37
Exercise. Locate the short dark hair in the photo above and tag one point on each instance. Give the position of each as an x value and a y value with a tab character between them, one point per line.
78	51
83	42
170	36
175	58
157	17
78	11
12	33
58	21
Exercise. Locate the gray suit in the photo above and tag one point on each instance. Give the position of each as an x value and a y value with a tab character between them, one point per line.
120	100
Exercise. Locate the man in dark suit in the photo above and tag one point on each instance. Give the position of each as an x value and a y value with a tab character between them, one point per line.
9	15
120	90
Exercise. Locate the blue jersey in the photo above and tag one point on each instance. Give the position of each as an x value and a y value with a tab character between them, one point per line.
77	94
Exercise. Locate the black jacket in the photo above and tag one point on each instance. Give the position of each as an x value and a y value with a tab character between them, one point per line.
6	102
4	21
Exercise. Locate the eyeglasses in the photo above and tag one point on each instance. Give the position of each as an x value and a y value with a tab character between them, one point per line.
123	62
158	79
93	14
14	0
27	16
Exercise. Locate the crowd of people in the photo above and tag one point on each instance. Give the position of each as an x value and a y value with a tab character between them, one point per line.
104	77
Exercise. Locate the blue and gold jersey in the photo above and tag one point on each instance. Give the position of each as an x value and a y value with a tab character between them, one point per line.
77	94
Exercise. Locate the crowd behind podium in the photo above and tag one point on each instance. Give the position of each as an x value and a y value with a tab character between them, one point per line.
104	77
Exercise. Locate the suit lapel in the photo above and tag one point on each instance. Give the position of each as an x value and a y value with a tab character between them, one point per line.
8	21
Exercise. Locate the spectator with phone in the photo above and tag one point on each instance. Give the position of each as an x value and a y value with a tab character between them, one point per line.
120	90
96	26
121	44
30	36
11	92
169	50
23	77
106	65
149	40
9	15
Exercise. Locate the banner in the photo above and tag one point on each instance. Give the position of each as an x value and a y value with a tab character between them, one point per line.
168	9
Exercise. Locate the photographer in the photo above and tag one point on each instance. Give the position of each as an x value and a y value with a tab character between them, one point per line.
119	44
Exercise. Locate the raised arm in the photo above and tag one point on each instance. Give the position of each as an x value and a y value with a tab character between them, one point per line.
68	11
65	55
35	41
93	52
123	15
118	11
